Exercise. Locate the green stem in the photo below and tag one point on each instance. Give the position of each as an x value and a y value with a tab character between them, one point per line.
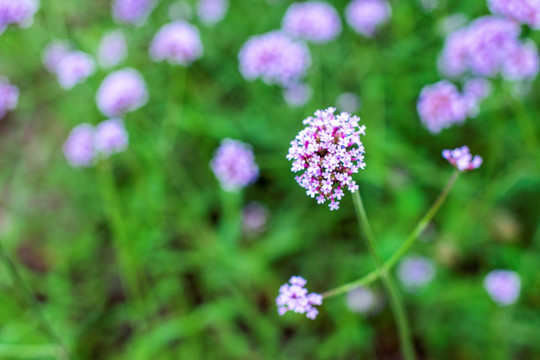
390	263
230	225
25	289
396	303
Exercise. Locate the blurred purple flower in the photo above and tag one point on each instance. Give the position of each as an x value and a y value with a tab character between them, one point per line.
328	151
522	11
503	286
9	96
20	12
74	68
53	54
366	16
132	12
315	21
112	49
521	63
79	148
212	11
275	58
415	271
120	92
254	219
294	297
111	137
348	102
234	165
363	300
441	105
178	42
297	94
474	91
462	159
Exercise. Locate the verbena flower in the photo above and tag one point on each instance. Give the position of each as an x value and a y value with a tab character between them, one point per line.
415	271
294	297
120	92
363	300
9	96
112	49
53	54
328	152
74	68
522	11
234	165
462	159
132	12
111	137
441	105
19	12
503	286
366	16
254	219
315	21
297	94
521	62
474	91
212	11
79	148
178	42
275	58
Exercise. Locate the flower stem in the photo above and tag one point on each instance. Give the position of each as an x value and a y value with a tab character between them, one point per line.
21	284
396	303
390	263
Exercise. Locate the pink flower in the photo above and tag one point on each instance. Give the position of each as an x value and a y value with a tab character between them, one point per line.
20	12
79	148
132	12
120	92
522	11
294	297
178	42
366	16
462	159
234	165
315	21
111	137
521	63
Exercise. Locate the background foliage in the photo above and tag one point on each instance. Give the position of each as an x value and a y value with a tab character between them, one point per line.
132	259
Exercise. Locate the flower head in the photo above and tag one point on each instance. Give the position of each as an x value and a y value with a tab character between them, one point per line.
9	96
112	49
521	62
294	297
328	151
53	54
474	91
503	286
212	11
234	165
315	21
275	58
522	11
20	12
366	16
416	271
441	105
363	300
462	159
120	92
74	68
178	42
132	12
111	137
79	148
297	94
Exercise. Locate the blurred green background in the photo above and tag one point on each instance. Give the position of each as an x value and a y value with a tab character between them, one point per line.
128	259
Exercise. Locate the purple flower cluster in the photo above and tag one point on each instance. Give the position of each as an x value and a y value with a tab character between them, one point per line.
112	49
132	12
178	42
120	92
328	151
416	271
234	165
20	12
294	297
474	91
462	159
9	96
85	142
314	21
522	11
503	286
366	16
212	11
297	94
71	67
490	45
275	58
254	219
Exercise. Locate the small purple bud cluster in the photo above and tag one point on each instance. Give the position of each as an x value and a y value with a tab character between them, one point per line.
71	67
120	92
112	49
522	11
178	42
234	165
416	271
275	58
462	159
297	94
85	143
503	286
328	151
20	12
132	12
9	96
367	16
212	11
314	21
254	219
294	297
